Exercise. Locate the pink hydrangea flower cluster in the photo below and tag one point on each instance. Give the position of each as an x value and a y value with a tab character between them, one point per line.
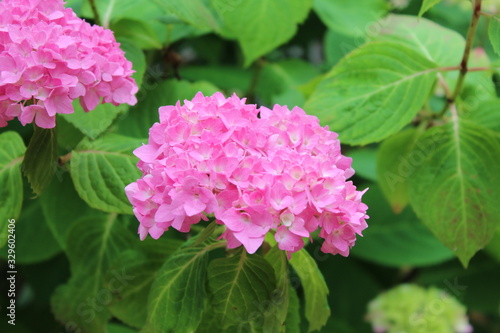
255	170
49	57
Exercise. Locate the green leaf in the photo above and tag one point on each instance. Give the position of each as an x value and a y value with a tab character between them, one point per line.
34	240
115	328
373	92
95	122
397	240
279	82
40	159
234	79
486	115
136	56
68	136
149	13
350	17
129	300
12	149
101	169
92	245
315	289
364	162
277	313
178	295
494	32
292	323
426	5
454	190
271	23
61	218
240	287
348	315
425	37
338	44
493	248
145	259
142	116
206	233
137	31
478	85
397	159
195	12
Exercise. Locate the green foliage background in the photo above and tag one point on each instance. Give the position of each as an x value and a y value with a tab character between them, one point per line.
388	76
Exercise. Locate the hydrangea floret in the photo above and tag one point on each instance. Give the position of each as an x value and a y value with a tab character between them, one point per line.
49	57
254	170
410	308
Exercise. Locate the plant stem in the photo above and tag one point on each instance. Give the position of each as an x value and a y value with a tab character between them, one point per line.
468	46
64	159
97	19
473	69
486	14
255	79
444	84
465	58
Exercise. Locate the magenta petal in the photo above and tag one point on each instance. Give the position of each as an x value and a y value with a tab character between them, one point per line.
147	153
58	104
90	100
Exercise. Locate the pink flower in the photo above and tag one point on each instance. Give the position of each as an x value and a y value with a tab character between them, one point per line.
255	170
49	57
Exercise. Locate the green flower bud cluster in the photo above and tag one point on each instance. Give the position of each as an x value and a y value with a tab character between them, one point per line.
409	308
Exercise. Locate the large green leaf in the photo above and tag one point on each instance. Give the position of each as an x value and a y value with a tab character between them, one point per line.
178	296
137	31
426	5
486	114
101	169
261	25
478	85
364	162
142	116
195	12
128	302
494	32
135	55
149	13
397	240
278	82
95	122
116	328
277	313
350	17
315	289
230	78
60	218
397	159
34	240
114	10
292	323
12	149
456	187
40	158
241	289
338	44
357	284
425	37
92	245
373	92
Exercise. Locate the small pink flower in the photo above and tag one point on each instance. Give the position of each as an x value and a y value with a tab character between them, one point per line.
255	170
49	57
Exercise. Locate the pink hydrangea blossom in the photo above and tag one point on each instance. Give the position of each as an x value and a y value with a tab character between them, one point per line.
49	57
255	170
